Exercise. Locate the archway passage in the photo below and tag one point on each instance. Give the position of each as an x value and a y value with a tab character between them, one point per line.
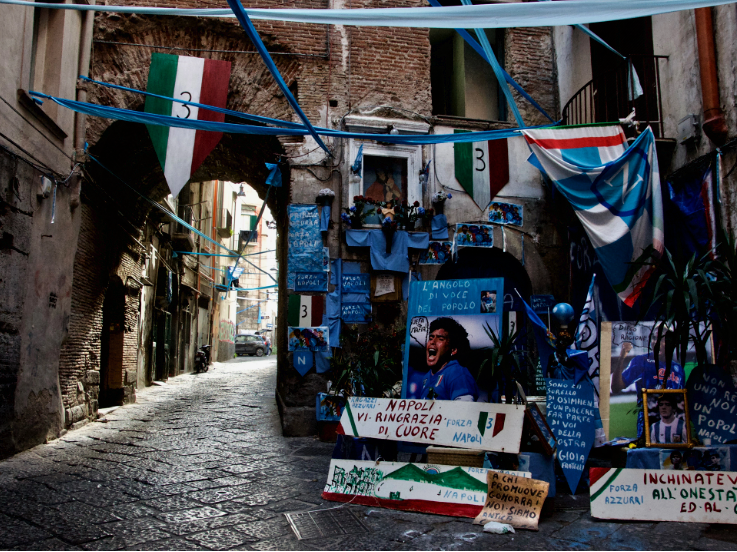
112	345
479	262
124	237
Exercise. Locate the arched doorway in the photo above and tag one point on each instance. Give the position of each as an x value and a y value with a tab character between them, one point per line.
479	262
111	345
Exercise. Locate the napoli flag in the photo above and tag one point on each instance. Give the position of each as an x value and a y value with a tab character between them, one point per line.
181	151
615	192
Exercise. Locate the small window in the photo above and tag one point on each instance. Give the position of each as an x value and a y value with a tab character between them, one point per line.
240	339
463	83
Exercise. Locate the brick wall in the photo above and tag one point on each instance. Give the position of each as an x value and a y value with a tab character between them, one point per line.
530	61
103	252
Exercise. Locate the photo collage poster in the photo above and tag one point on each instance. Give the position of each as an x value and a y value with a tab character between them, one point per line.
632	367
312	338
474	305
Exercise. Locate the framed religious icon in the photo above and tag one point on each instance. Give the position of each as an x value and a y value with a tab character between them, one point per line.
388	172
667	423
540	428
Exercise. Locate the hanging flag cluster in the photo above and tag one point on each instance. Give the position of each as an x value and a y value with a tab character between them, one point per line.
615	193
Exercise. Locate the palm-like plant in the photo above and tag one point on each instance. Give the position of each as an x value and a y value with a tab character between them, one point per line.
683	307
503	364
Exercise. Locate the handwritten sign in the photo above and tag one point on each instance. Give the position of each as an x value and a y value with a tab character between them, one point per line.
384	284
469	425
355	312
712	399
452	296
515	500
310	281
305	248
541	303
429	488
355	283
663	495
570	410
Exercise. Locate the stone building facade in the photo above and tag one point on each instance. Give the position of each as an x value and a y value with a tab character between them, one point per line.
126	311
39	217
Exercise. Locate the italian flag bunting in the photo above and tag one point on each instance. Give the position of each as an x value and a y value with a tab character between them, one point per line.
481	168
181	150
305	310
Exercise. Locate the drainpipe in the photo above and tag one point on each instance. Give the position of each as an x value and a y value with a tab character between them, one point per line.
83	68
715	125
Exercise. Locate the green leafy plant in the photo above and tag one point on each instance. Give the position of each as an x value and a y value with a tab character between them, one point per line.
369	362
681	305
502	365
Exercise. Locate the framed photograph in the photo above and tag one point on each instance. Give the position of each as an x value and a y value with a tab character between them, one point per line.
626	365
667	424
541	428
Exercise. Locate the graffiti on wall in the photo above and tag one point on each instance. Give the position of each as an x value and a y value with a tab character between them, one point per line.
227	331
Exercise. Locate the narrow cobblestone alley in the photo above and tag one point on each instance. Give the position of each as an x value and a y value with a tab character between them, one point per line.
200	464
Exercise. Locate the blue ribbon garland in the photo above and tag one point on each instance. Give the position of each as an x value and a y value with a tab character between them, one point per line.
115	113
175	217
480	51
245	22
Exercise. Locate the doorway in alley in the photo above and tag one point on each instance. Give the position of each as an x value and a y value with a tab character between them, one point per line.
111	345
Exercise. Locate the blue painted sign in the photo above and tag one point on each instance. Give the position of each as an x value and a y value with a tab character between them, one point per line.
303	361
305	247
356	283
711	398
474	304
541	303
355	312
310	281
455	296
570	413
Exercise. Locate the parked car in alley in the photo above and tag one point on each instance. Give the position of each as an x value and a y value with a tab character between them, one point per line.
250	345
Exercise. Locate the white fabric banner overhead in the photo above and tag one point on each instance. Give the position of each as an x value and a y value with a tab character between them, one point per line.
489	16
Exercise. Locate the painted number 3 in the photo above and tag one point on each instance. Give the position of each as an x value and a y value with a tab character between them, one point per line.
304	311
189	99
480	157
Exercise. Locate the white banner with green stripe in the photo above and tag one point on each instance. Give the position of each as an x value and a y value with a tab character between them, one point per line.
460	424
664	495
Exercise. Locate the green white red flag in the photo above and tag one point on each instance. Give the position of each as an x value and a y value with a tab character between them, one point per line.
181	150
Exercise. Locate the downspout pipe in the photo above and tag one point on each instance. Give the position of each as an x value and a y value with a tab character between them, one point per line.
715	125
83	68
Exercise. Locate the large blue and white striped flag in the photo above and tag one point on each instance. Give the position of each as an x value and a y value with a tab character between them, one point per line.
615	192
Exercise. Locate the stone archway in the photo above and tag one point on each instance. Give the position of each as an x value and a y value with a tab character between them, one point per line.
114	214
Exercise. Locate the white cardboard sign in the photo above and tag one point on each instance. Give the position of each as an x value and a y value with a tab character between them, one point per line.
430	488
459	424
664	495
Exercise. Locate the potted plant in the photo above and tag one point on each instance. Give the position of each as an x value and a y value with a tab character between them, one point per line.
357	213
368	364
438	201
407	215
325	197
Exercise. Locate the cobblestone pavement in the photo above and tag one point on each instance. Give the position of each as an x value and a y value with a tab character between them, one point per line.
200	464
